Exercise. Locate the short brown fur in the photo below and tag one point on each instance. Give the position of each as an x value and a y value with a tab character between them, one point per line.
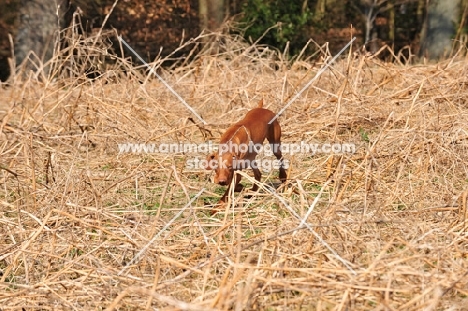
254	128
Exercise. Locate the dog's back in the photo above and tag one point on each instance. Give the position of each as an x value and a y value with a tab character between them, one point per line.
254	128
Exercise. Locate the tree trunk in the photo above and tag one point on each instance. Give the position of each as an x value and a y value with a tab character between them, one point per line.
216	13
369	24
391	23
442	17
203	14
320	9
211	13
39	23
420	12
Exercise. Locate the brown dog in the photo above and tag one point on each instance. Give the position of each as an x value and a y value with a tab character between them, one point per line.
239	146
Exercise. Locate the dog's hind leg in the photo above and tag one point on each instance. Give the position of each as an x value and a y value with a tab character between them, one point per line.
274	138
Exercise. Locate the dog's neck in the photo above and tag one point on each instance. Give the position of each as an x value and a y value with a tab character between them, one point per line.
240	135
239	139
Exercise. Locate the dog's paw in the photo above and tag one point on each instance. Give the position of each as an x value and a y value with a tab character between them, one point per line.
219	207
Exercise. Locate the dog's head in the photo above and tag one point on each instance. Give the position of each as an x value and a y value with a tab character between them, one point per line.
224	165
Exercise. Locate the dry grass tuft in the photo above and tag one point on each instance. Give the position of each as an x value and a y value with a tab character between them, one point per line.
387	228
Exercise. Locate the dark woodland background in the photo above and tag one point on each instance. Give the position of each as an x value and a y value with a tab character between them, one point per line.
429	29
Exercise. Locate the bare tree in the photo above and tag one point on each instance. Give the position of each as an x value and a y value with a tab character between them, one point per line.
371	9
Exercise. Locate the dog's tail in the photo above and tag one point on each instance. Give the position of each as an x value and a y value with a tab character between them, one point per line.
260	103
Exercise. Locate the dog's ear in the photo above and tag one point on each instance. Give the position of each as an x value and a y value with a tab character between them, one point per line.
211	162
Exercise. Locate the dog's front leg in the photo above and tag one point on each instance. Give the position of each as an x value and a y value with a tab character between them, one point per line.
223	201
237	185
257	175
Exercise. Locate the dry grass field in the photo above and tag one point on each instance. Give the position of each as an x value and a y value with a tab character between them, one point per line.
85	226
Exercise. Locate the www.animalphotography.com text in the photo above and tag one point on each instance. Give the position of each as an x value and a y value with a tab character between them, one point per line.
263	150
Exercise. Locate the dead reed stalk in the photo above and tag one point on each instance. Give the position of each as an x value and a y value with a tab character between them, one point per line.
383	228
